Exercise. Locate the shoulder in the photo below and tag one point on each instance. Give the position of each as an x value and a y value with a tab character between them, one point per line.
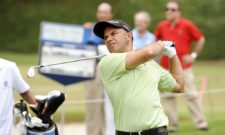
163	23
161	27
150	34
112	66
8	66
7	63
88	25
187	22
112	60
134	32
112	57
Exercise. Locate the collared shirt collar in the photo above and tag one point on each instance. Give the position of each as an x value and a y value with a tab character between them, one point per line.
177	23
136	33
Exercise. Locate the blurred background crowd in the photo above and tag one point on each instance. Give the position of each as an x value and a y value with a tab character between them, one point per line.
20	29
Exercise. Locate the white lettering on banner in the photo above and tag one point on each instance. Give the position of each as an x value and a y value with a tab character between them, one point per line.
62	33
81	68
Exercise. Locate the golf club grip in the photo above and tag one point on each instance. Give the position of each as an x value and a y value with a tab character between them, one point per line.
173	45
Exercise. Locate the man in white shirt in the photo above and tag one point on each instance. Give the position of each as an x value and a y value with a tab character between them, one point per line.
10	78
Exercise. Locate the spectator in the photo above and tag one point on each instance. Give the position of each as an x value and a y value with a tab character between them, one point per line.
182	32
104	13
95	114
11	79
141	34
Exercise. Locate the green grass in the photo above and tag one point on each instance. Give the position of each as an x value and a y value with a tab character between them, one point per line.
42	85
213	104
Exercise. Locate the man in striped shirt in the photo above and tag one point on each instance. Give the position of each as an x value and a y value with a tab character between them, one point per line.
133	80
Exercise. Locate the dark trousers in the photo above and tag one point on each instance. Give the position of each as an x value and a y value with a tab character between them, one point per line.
153	131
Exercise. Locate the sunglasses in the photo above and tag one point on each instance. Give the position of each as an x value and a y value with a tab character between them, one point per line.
171	9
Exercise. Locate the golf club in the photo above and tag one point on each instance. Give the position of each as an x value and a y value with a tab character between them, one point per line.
31	70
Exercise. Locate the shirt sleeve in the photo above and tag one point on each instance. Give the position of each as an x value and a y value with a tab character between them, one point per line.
18	82
112	66
195	33
167	81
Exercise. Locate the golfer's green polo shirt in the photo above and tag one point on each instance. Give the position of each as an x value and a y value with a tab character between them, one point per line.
135	93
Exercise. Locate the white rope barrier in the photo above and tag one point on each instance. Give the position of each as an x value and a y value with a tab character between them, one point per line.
214	91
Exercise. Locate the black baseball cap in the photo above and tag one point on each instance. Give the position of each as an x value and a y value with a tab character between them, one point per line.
100	27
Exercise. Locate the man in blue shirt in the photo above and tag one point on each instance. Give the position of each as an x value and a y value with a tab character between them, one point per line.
141	34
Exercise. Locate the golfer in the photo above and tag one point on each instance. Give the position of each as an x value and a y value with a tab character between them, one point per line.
133	80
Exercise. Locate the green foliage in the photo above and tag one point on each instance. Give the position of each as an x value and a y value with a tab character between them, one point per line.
21	19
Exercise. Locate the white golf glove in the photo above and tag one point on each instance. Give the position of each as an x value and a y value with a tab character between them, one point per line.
169	49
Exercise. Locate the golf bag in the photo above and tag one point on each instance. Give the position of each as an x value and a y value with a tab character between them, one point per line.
42	123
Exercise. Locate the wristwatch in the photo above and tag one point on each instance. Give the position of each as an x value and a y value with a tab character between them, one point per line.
194	55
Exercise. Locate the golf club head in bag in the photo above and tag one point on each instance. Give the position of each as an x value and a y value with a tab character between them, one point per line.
28	122
41	124
53	100
22	107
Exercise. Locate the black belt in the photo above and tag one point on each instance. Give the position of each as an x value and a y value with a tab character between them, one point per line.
153	131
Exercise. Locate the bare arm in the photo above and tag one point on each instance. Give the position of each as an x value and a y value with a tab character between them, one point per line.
177	72
137	57
28	96
190	58
199	45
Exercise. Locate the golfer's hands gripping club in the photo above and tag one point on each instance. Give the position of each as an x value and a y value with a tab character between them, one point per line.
169	49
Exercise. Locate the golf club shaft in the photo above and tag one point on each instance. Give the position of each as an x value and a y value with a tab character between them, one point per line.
65	62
